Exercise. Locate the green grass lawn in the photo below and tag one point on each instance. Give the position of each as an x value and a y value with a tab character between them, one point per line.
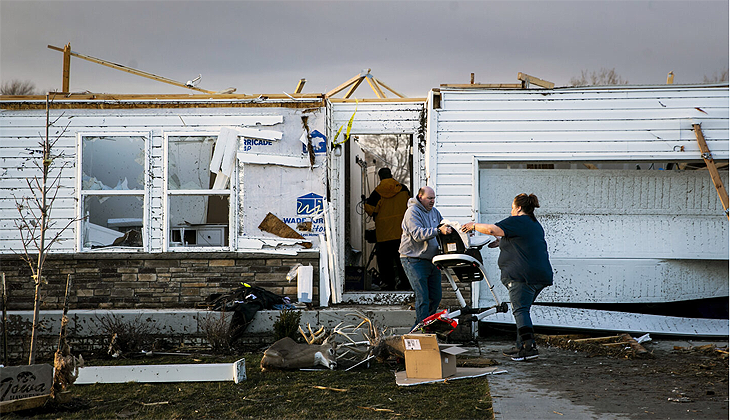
368	394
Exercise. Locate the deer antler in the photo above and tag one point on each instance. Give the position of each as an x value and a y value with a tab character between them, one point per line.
315	337
374	335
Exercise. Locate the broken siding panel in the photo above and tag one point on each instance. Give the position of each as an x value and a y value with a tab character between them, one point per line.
266	186
557	317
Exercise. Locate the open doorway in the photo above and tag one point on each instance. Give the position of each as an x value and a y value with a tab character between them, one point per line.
365	156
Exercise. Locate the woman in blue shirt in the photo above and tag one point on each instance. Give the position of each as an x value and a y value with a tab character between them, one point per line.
525	266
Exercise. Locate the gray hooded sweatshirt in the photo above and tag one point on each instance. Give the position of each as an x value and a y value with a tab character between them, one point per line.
420	228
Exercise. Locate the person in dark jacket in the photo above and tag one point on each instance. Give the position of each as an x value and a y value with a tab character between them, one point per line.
387	204
525	266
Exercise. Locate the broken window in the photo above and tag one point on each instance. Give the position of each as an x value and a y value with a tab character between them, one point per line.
199	189
112	191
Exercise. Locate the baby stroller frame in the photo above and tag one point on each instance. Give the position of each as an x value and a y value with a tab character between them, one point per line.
466	264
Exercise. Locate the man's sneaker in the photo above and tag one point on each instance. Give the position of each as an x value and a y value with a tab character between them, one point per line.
511	351
526	353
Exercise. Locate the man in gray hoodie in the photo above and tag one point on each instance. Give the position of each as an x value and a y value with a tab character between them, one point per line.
418	245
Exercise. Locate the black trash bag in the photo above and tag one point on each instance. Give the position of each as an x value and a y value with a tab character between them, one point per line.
245	302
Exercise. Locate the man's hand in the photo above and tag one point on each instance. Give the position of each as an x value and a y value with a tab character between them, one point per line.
445	229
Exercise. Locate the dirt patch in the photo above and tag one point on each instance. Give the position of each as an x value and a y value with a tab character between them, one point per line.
678	379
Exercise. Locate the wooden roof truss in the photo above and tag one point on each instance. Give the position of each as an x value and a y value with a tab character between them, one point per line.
375	84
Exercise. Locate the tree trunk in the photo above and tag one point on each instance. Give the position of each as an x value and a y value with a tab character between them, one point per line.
36	320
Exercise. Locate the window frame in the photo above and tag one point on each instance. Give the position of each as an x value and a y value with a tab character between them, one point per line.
145	192
231	192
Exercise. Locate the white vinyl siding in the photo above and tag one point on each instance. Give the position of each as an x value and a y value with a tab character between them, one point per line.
615	235
21	130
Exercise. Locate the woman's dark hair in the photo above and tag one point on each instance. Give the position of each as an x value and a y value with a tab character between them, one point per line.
528	203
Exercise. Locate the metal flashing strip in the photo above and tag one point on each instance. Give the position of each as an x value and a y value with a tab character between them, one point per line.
593	319
214	372
461	373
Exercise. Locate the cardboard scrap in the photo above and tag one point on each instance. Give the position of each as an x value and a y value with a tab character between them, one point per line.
276	226
461	373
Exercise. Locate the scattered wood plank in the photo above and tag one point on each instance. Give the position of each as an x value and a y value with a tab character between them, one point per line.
329	388
710	162
622	345
527	79
23	403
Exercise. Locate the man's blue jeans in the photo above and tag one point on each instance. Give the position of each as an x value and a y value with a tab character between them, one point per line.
425	279
522	296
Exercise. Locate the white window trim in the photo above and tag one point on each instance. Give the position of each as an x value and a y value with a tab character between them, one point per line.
145	192
232	192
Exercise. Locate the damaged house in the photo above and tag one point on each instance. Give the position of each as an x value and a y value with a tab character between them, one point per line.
176	197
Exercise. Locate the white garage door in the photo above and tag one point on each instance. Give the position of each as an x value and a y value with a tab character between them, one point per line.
618	236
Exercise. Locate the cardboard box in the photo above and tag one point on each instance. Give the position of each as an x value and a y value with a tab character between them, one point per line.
427	359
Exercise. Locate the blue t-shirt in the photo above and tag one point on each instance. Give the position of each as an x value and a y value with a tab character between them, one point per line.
523	255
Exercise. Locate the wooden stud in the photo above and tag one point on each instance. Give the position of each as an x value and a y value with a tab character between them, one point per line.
379	82
472	79
711	167
354	87
670	78
300	85
119	67
23	404
66	68
374	86
342	87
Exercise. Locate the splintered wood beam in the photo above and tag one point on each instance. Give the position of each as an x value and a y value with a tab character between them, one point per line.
374	86
125	69
526	78
300	85
66	68
711	167
387	87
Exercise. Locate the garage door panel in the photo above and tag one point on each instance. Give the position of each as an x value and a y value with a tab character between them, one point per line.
619	236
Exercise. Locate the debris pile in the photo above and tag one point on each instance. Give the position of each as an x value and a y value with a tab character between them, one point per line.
708	349
622	346
323	349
